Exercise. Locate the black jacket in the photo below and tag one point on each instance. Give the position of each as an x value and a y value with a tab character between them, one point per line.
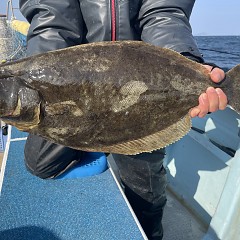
59	24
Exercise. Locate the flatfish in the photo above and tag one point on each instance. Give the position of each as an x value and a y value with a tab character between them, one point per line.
122	97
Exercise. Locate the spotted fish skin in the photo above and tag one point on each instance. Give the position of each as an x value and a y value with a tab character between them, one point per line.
124	97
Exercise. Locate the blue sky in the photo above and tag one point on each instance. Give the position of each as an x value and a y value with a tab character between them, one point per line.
209	17
216	17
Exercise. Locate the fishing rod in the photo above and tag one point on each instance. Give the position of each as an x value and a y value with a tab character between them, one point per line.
218	51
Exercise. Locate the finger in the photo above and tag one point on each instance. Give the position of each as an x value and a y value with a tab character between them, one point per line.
194	112
203	105
208	67
222	99
213	99
217	75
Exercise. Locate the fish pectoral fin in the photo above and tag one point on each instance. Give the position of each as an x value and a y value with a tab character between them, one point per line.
155	141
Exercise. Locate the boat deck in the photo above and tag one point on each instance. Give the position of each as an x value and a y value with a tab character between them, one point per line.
179	223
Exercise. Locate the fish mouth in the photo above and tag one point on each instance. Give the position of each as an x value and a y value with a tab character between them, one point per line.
6	113
11	112
23	121
17	110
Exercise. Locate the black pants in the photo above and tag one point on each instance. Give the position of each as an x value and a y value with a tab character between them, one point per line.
142	175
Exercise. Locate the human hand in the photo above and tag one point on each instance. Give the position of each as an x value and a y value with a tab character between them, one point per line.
214	98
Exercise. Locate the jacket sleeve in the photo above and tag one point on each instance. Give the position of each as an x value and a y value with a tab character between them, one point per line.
165	23
53	24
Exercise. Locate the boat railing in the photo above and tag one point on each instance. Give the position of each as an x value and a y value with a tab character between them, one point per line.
10	10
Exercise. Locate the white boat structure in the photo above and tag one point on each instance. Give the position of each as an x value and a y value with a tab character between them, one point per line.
204	174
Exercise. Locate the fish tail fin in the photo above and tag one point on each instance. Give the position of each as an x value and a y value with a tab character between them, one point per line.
232	88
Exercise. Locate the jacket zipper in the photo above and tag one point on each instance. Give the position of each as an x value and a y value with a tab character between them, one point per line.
113	20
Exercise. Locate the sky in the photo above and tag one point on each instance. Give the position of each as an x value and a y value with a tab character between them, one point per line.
216	17
209	17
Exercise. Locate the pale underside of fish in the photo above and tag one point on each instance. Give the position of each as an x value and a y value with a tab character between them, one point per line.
122	97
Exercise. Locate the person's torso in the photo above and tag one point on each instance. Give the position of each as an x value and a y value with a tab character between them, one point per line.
109	20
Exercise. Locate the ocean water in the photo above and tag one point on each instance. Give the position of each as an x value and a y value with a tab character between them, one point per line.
221	50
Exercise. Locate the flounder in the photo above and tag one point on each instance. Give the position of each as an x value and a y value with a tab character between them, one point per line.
122	97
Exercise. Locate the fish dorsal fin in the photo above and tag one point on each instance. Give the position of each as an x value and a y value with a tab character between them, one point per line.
155	141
